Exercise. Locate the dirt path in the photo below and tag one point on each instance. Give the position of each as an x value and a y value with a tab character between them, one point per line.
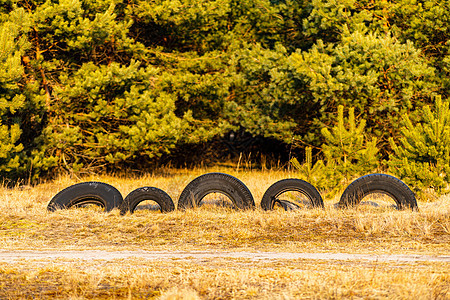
21	255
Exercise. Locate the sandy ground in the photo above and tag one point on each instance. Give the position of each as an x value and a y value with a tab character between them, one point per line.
49	256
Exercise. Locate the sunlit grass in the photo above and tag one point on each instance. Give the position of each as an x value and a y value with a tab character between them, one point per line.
224	279
26	224
25	221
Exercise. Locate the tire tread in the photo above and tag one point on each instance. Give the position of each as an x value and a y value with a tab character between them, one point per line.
198	188
105	194
378	183
138	195
294	185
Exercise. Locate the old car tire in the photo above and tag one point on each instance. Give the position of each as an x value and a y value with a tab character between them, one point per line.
96	193
226	184
378	183
290	185
133	199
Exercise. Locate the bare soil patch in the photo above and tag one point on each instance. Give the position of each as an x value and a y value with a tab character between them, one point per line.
15	256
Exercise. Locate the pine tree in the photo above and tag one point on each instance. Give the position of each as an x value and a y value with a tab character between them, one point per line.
422	155
310	171
347	146
12	102
347	151
197	69
377	75
347	154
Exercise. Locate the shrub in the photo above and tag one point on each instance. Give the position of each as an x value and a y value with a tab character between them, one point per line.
421	156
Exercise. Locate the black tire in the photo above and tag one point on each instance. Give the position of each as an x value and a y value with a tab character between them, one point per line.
226	184
290	185
132	200
85	193
378	183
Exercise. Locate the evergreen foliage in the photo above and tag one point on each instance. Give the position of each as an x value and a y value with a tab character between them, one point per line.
377	76
111	114
312	171
91	85
347	153
347	150
16	106
422	155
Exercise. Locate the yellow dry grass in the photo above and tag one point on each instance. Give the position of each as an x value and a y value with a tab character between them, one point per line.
25	224
225	279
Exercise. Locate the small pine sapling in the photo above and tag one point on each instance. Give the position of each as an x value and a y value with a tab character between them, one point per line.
311	172
421	156
347	154
347	151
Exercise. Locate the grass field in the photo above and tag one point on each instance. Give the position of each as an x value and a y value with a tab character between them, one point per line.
25	224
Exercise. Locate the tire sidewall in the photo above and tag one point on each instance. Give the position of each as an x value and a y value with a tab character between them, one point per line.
221	183
378	183
135	197
294	185
104	194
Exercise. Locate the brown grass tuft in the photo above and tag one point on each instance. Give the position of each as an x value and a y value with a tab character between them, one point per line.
180	294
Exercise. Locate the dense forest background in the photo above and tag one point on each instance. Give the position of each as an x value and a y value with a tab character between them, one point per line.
345	86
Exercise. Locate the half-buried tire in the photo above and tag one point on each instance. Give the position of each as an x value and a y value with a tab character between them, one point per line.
378	183
87	193
228	185
270	197
133	199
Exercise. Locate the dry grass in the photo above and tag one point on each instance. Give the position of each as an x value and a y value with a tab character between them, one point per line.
225	279
25	224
